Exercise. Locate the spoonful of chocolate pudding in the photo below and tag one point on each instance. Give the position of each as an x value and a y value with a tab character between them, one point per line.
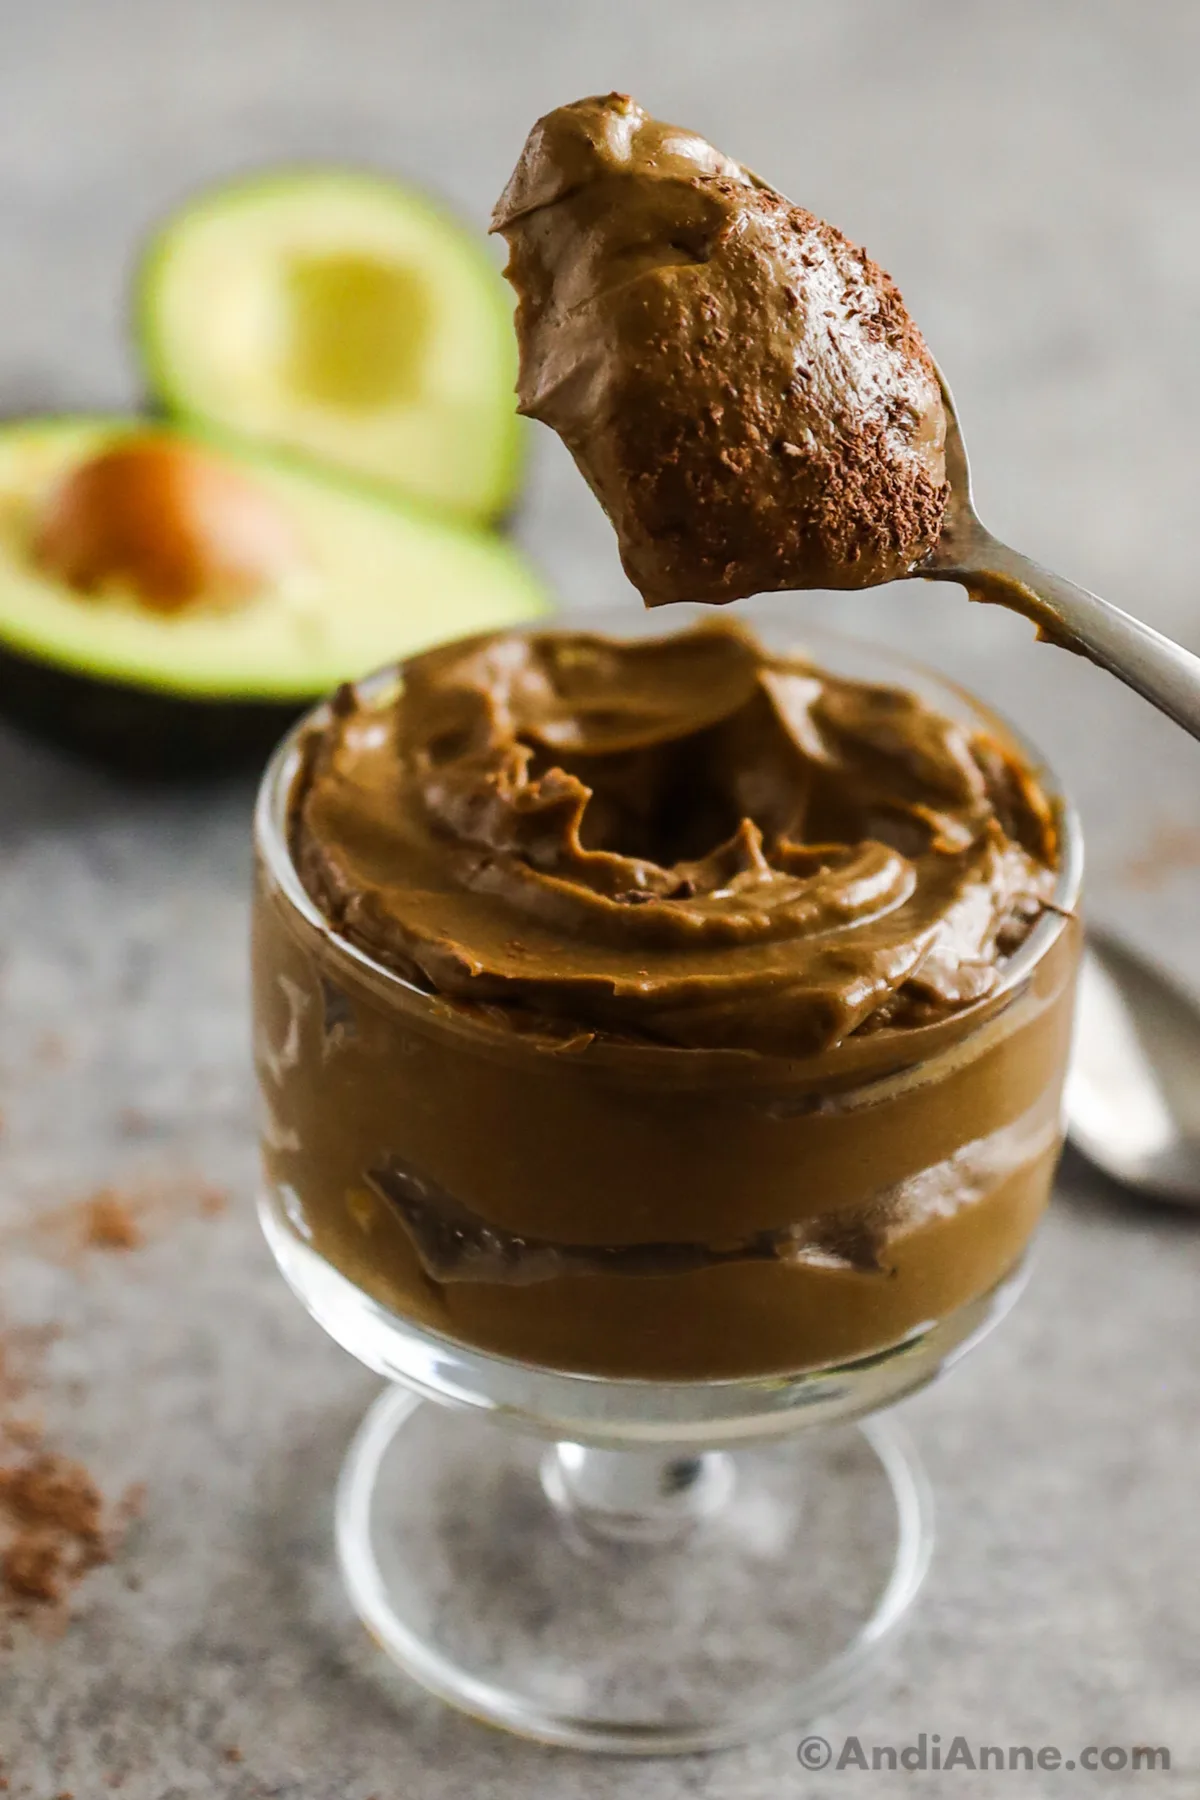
747	396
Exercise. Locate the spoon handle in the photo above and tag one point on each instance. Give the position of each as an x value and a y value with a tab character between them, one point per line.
1161	671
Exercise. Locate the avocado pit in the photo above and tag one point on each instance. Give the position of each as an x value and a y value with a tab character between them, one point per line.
166	523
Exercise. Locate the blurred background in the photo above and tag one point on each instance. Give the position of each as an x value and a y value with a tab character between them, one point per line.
1030	175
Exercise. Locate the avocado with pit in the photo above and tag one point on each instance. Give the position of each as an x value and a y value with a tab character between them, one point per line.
345	317
168	603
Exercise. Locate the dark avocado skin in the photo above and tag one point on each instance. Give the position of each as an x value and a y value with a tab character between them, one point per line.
142	733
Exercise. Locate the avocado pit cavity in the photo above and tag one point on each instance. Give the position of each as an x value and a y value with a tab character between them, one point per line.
358	331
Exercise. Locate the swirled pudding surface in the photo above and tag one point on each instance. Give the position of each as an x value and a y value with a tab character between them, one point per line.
691	841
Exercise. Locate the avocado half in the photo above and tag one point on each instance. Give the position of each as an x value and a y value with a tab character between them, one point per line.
343	316
206	688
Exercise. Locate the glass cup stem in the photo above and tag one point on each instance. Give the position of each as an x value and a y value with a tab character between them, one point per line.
635	1496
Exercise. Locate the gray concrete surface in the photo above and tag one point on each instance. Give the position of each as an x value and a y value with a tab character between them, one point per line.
1031	174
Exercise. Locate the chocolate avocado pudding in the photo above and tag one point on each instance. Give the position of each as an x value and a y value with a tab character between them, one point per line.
685	840
740	385
644	1007
675	1008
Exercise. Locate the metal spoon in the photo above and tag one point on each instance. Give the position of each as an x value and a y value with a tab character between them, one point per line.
1161	671
1133	1092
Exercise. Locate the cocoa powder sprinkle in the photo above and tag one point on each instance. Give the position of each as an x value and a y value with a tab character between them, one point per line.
51	1521
109	1223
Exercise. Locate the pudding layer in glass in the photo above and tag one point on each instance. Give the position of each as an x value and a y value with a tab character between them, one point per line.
664	1008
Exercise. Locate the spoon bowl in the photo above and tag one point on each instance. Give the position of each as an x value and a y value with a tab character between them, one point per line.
1133	1092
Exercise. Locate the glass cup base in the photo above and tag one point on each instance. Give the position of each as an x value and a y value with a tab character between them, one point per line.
738	1594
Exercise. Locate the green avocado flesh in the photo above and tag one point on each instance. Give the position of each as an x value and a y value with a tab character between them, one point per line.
376	580
342	316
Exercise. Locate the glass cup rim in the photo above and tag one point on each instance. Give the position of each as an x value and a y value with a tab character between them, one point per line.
270	834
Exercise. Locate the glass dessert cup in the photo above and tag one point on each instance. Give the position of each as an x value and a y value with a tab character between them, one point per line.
653	1507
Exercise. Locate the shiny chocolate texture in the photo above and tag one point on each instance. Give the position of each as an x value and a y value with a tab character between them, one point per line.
687	840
